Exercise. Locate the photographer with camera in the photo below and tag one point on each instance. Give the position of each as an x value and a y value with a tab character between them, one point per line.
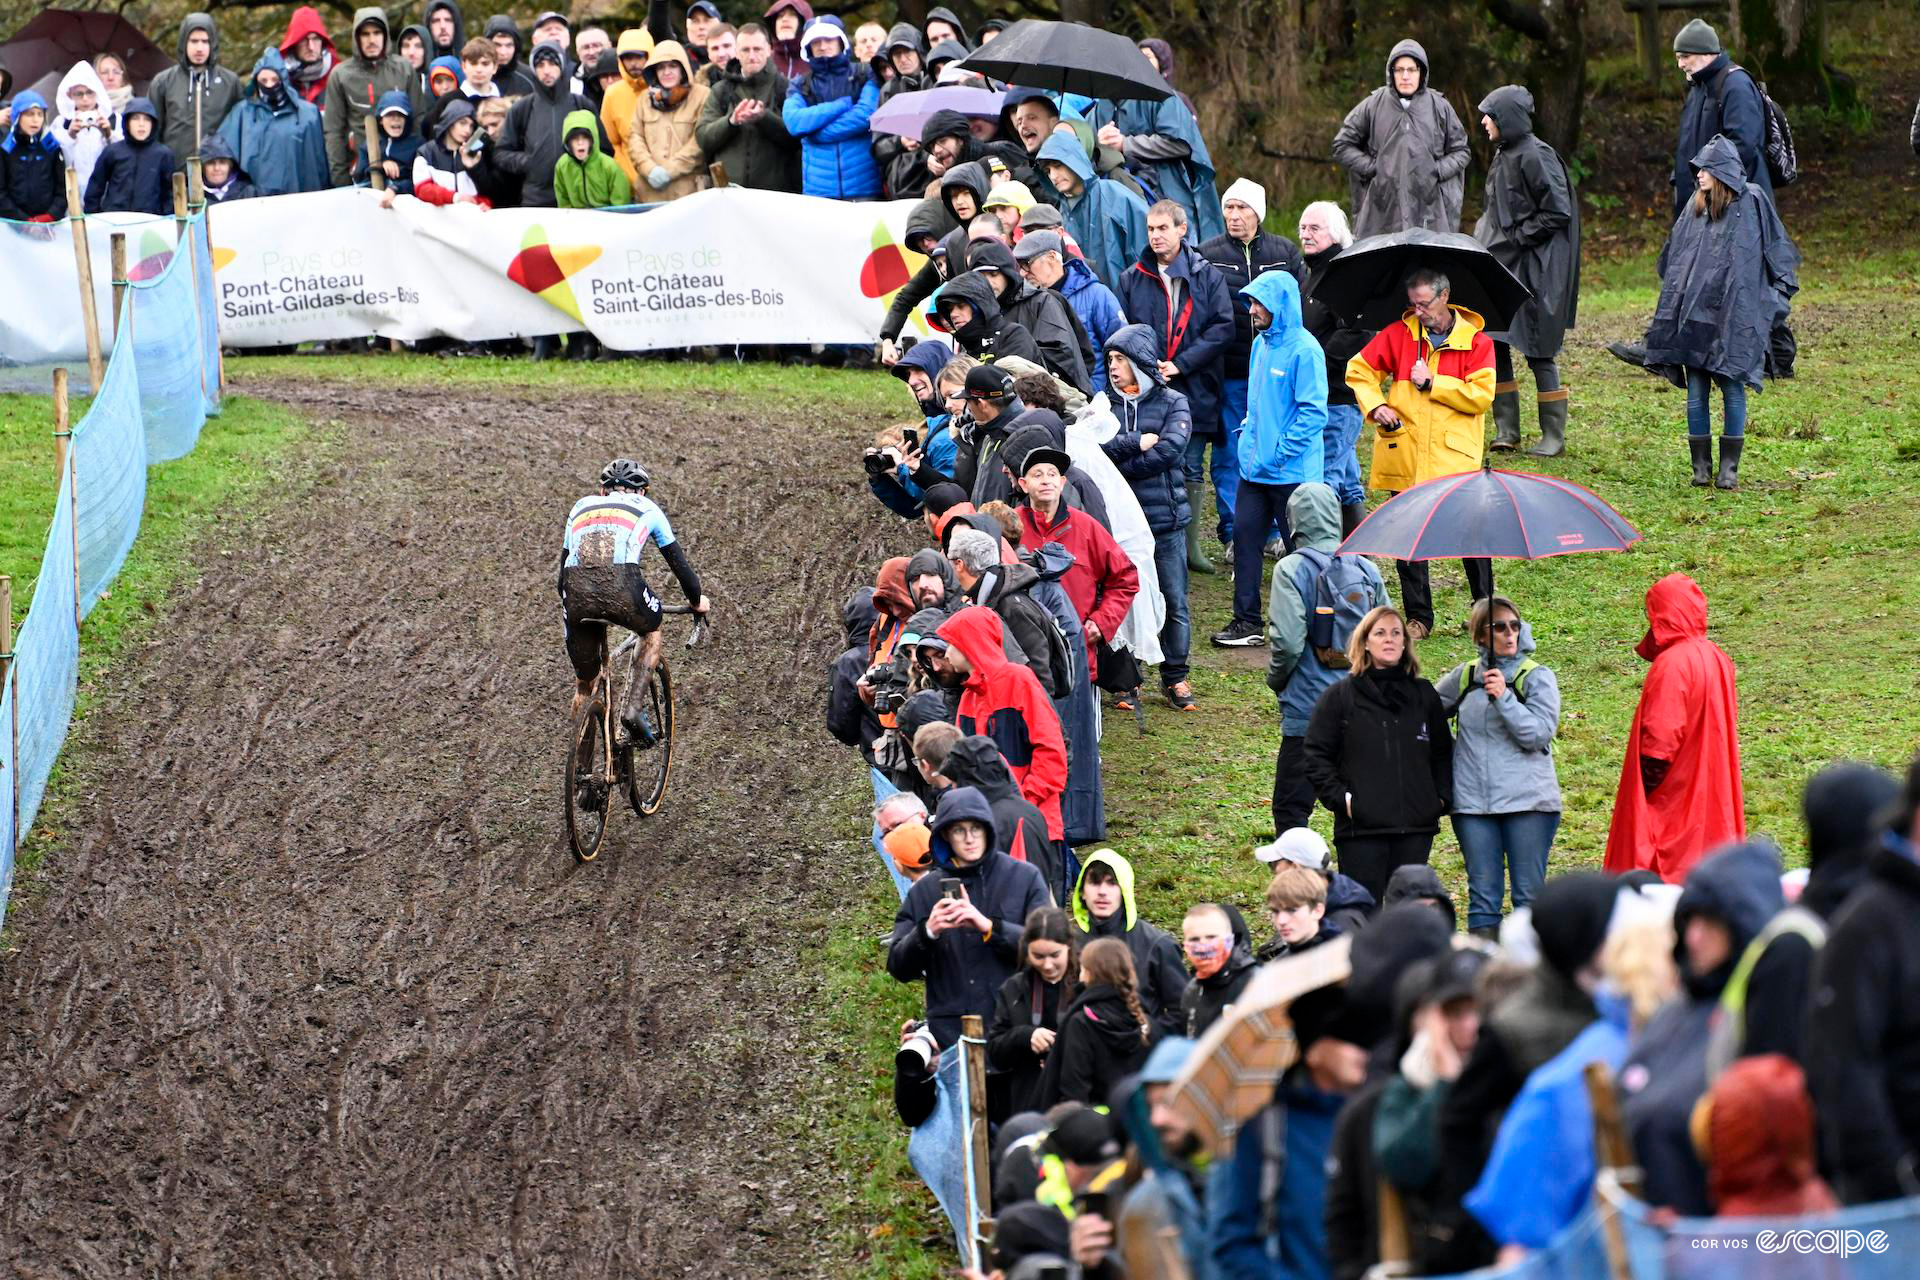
959	928
904	462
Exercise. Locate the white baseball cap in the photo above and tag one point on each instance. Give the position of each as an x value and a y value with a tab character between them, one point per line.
1296	844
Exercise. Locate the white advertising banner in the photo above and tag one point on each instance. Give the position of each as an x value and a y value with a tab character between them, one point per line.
723	267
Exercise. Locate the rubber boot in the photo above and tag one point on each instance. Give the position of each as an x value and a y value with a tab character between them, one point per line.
1506	417
1197	561
1702	450
1729	477
1351	514
1553	425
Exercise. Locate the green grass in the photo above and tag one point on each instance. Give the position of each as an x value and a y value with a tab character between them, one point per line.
241	454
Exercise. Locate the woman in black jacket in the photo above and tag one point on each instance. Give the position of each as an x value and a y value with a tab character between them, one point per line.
1026	1014
1379	755
1104	1032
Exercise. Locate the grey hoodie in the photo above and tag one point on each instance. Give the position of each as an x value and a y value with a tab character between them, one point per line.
1503	751
190	102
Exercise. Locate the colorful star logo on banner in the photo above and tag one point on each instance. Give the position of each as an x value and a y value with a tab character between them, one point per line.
155	254
543	269
888	268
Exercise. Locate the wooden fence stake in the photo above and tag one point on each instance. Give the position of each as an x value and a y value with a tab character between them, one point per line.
64	467
1396	1248
13	726
1611	1152
718	172
83	260
119	261
375	153
973	1035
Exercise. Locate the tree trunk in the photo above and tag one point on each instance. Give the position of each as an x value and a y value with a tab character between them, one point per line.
1556	67
1784	44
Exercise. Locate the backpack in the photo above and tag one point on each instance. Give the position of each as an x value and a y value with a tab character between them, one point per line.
1783	162
1518	684
1339	595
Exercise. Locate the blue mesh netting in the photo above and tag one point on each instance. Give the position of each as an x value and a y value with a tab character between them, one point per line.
160	384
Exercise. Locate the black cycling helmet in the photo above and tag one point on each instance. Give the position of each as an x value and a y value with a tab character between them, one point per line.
625	473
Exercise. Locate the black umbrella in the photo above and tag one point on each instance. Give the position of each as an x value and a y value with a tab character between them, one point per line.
1366	284
1070	57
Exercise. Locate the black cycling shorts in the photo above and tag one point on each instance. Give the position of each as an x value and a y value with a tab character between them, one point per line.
604	593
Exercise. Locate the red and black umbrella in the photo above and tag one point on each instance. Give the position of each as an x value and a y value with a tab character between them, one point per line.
44	50
1509	515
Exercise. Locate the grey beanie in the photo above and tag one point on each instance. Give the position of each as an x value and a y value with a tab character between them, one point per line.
1697	37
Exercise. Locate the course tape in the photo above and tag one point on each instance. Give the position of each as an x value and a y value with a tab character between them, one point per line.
161	384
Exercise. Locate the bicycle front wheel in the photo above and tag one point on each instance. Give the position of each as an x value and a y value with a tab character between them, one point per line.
648	767
588	792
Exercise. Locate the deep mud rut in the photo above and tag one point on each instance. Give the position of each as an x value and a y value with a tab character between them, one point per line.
314	988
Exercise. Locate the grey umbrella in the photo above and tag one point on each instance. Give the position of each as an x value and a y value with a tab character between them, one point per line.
1069	57
1366	284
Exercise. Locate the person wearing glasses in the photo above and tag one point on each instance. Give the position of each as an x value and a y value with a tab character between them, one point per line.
1506	795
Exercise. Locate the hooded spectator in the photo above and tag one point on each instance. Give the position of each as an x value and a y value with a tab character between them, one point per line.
949	140
1324	234
900	63
622	101
973	761
1026	1013
1728	899
1506	794
222	178
85	124
1405	152
740	126
1727	267
1106	219
1160	54
1299	669
399	144
1518	1035
1679	791
33	174
1722	100
309	54
444	169
1241	254
942	25
446	29
666	155
135	174
193	96
970	310
1103	906
1279	448
1046	264
1167	1201
1162	139
1532	225
1064	349
1154	423
1005	702
532	143
1379	754
585	176
414	45
787	20
828	109
276	133
848	718
1104	1032
964	940
1754	1132
1863	1031
357	85
510	70
1418	883
1219	952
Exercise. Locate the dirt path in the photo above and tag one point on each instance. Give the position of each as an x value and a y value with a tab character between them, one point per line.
317	991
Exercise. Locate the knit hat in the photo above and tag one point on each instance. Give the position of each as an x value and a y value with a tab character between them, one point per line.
1697	37
1249	193
1570	914
1013	193
548	49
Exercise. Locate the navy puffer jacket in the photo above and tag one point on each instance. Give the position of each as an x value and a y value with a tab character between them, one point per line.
135	177
1157	475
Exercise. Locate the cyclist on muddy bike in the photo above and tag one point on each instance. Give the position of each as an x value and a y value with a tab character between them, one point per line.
601	581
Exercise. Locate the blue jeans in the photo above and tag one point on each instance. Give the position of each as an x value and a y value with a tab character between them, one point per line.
1176	634
1342	439
1496	844
1733	399
1226	478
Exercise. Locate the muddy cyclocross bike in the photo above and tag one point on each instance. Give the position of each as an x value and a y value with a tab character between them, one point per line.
601	760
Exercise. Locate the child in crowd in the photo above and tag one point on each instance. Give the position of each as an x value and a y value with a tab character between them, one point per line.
443	77
587	177
86	127
399	144
443	169
1297	903
1103	1034
478	63
221	177
135	174
33	173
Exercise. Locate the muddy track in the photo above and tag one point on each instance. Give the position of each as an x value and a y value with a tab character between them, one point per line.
315	989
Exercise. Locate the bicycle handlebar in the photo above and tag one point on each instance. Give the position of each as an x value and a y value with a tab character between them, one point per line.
699	621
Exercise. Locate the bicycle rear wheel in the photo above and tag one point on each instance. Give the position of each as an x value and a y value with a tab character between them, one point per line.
648	768
587	793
